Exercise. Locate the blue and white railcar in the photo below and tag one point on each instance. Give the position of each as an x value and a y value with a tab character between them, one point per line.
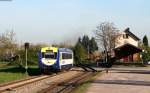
65	58
52	59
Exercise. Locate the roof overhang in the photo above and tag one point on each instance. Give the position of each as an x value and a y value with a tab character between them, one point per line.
126	50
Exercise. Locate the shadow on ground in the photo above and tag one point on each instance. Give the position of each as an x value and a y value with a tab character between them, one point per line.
136	72
131	71
13	70
31	71
34	71
123	82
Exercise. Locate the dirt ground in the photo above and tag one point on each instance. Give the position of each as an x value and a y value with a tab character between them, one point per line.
122	81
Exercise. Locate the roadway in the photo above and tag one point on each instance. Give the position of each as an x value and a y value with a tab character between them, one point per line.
122	80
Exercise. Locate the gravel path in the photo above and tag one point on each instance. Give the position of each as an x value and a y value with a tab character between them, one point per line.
122	81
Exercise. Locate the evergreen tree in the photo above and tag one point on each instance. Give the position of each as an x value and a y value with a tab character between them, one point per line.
83	47
85	42
146	53
145	41
79	53
79	40
93	45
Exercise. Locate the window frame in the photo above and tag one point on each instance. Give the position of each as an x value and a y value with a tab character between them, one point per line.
66	56
125	36
55	55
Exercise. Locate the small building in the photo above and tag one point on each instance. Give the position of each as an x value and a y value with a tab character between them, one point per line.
126	47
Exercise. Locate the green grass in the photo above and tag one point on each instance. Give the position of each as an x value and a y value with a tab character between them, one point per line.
7	76
82	87
12	73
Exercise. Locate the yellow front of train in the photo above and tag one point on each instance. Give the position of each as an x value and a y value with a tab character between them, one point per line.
47	57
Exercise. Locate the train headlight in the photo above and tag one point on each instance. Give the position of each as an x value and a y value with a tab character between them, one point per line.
48	62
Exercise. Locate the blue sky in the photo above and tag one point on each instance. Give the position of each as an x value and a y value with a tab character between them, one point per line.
54	21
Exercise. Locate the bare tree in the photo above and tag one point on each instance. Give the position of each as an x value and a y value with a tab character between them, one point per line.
105	35
8	43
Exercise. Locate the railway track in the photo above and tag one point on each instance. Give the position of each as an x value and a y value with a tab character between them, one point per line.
68	85
12	85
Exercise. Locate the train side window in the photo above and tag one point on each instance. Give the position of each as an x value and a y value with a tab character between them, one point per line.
66	56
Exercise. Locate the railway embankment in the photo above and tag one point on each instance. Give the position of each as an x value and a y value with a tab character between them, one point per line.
43	83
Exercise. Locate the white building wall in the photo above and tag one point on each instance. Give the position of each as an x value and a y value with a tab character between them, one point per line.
121	41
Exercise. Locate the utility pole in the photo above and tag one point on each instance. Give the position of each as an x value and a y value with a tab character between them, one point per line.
88	51
26	55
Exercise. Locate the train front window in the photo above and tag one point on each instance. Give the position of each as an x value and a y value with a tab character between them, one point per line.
50	55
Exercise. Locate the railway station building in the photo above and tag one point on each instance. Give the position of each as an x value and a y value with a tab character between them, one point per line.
127	47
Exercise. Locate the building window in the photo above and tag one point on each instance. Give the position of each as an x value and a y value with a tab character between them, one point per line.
125	36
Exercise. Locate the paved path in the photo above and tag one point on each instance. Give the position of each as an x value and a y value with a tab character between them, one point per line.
122	81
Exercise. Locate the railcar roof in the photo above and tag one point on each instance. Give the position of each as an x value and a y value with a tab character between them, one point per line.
65	50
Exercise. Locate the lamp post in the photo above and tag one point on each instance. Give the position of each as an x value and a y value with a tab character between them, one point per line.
26	45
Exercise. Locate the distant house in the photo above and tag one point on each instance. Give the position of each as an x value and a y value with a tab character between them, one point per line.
126	46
